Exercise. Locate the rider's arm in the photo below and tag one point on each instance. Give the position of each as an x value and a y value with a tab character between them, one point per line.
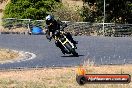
62	24
48	33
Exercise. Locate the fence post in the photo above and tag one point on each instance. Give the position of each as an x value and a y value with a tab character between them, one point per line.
29	25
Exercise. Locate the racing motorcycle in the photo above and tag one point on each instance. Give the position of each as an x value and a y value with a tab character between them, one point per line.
68	46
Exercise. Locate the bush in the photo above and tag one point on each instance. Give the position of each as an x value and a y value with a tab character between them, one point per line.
66	13
29	9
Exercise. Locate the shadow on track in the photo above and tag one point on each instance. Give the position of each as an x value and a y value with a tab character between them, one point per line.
72	56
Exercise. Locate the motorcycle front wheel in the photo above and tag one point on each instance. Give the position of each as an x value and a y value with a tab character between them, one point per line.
72	50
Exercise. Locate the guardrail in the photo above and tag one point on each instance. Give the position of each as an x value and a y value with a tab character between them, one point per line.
96	29
76	28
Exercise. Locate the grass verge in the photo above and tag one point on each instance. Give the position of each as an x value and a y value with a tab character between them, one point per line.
7	54
64	77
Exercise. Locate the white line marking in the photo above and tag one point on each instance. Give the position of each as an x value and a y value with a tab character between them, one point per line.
23	56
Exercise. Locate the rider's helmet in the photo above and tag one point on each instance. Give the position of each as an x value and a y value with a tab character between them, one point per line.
49	19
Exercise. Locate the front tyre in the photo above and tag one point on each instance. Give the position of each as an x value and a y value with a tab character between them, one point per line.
74	52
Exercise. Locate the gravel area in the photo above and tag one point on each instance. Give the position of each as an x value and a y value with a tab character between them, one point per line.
10	56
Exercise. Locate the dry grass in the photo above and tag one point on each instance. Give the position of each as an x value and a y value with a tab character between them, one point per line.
73	3
59	77
21	30
7	54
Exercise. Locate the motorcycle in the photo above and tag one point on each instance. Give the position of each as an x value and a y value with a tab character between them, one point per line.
68	46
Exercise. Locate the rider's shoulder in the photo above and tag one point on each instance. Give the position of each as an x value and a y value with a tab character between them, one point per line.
59	21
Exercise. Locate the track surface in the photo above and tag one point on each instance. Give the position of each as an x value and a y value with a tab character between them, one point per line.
101	50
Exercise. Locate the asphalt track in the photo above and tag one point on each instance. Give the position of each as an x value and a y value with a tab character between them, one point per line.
100	50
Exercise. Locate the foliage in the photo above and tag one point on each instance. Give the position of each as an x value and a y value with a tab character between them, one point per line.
88	14
1	1
30	9
118	11
67	14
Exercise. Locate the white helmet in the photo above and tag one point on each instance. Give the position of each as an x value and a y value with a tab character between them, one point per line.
49	17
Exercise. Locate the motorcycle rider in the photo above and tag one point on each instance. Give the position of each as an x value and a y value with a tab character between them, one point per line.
53	27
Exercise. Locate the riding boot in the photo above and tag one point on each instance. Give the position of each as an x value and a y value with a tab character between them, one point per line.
68	35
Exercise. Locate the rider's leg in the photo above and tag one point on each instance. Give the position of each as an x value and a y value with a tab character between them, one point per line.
69	36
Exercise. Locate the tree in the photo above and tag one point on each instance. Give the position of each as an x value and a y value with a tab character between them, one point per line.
30	9
90	11
67	13
118	11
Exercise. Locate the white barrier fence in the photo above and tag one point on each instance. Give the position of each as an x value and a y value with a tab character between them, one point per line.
76	28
